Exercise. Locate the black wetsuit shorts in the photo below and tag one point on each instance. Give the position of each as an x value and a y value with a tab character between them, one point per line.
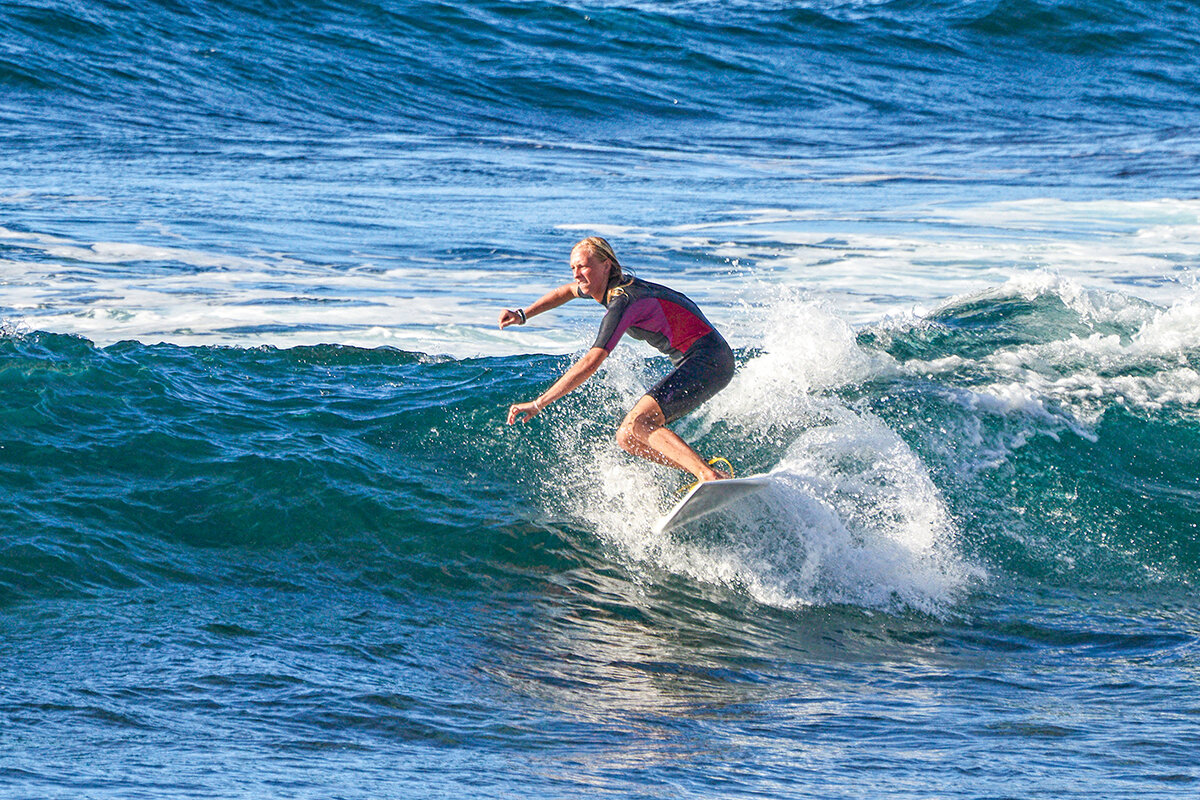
706	368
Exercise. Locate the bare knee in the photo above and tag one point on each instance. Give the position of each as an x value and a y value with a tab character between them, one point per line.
627	436
635	430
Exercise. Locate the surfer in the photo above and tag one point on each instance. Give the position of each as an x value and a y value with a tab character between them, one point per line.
655	314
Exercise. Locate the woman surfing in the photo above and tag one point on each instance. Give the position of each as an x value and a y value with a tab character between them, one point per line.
655	314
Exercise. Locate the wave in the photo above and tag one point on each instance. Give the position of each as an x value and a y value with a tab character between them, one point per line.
1065	423
1035	432
748	69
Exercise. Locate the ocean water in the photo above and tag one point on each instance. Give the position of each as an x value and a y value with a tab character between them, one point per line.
264	532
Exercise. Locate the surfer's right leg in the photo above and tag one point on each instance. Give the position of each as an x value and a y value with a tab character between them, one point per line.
705	370
644	434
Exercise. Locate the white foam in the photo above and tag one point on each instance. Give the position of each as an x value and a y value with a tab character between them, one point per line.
110	291
871	265
1090	304
852	517
1147	370
1066	385
868	266
805	348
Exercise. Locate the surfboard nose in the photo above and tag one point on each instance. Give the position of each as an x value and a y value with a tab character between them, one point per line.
708	497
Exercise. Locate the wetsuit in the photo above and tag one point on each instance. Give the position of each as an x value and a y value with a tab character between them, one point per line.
674	325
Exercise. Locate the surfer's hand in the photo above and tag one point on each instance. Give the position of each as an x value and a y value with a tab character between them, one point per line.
508	317
523	412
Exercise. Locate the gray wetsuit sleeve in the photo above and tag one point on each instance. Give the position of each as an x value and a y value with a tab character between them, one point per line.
610	326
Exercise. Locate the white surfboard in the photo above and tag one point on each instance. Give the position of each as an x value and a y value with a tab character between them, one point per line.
705	498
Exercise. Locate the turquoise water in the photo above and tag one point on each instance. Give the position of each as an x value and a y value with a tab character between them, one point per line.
266	534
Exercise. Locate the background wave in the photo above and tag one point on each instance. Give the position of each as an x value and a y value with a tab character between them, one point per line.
824	71
1064	427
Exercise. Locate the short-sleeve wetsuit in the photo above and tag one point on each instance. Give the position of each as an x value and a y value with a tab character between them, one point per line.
672	323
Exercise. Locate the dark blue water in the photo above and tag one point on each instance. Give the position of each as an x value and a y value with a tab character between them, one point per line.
264	532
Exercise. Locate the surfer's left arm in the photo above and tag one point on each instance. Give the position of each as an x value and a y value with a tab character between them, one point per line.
571	380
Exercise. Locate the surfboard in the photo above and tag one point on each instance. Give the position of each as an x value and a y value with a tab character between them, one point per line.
705	498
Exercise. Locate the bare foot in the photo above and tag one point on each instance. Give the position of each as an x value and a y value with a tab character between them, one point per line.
715	472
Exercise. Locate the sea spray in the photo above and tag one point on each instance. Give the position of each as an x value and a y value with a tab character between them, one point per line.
852	517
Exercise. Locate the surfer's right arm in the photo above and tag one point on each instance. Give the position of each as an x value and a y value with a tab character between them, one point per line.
551	299
571	380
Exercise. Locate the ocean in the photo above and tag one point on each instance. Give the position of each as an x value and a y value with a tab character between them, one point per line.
265	532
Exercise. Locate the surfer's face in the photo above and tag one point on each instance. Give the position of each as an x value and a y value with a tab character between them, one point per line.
590	270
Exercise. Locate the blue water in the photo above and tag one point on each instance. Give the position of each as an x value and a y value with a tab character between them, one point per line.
264	532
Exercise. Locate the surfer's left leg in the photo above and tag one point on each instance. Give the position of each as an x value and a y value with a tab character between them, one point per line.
644	434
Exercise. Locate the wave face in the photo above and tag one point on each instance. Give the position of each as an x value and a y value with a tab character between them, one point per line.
813	71
1064	422
1033	432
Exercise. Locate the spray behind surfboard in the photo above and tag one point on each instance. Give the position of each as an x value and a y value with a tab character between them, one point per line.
852	515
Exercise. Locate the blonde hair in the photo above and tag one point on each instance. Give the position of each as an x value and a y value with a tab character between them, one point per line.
617	278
